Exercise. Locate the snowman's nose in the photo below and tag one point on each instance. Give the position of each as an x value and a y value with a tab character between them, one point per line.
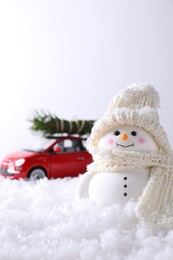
124	136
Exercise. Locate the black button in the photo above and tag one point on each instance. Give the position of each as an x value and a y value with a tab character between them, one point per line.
125	186
125	178
125	194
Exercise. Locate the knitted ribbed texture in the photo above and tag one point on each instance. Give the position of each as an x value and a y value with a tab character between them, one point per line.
110	161
156	203
137	106
145	118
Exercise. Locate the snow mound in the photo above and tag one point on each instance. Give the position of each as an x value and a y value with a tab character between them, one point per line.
45	220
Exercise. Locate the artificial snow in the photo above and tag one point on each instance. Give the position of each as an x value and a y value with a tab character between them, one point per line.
45	220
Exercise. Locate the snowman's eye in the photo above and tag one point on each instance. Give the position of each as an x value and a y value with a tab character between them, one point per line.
117	133
133	133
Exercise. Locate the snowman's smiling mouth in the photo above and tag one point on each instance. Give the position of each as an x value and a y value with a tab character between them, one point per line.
125	145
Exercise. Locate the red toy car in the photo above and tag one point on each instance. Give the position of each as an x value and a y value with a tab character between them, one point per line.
63	156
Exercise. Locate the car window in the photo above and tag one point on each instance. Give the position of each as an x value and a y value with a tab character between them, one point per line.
69	146
84	144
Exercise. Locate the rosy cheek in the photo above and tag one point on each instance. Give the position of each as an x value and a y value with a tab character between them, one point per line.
110	141
141	140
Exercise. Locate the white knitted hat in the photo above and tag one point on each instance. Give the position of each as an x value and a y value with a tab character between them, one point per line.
137	106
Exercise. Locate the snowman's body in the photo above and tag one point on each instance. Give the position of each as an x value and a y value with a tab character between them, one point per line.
119	187
110	188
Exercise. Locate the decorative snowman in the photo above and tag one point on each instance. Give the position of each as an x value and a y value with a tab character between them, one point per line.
132	159
118	187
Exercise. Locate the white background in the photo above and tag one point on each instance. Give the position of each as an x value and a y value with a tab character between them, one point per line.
70	57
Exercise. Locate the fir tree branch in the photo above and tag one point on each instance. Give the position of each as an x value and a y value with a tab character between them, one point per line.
50	124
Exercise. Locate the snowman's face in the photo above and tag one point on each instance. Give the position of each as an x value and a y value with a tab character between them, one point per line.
130	138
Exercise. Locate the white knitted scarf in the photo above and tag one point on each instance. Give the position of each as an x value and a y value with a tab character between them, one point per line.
156	203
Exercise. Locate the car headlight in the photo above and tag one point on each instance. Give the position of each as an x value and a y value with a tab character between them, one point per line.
19	162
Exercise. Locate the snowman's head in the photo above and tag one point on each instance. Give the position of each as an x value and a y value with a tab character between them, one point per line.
128	138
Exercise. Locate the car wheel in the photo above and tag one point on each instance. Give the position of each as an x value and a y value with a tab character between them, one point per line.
37	174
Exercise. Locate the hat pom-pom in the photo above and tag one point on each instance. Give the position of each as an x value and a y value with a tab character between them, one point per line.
139	90
135	96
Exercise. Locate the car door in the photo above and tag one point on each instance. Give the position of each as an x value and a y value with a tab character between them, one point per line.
68	160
